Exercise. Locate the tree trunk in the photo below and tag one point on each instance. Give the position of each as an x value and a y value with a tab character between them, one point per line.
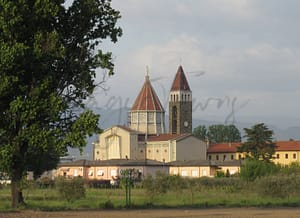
16	192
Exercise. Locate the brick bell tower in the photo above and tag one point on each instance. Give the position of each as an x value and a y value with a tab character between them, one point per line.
180	105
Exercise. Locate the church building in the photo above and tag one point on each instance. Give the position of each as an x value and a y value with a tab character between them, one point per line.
145	136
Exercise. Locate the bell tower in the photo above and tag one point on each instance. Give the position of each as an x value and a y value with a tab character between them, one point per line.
180	105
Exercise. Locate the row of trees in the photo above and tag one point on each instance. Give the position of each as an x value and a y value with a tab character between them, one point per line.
218	133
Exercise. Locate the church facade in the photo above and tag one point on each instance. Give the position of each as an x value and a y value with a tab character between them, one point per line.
145	136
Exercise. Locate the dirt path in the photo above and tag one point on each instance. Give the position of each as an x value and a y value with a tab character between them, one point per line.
166	213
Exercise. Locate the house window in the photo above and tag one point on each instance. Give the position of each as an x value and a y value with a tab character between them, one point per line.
240	156
294	156
157	151
166	150
204	173
75	172
277	156
184	173
113	173
286	156
232	157
195	173
224	157
91	172
217	157
209	157
100	173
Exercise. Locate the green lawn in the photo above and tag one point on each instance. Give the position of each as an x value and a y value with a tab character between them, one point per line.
48	199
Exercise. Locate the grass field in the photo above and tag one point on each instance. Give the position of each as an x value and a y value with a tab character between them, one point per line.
49	200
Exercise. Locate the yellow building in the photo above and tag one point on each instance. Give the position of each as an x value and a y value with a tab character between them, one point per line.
286	152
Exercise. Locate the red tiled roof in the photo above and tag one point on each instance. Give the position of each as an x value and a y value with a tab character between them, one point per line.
147	100
180	81
231	147
166	137
223	148
288	146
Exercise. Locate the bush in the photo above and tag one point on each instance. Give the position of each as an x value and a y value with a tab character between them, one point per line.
70	189
231	184
219	174
98	183
45	182
107	205
253	169
279	186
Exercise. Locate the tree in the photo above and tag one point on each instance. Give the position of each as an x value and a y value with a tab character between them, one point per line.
259	144
49	54
200	132
222	133
218	133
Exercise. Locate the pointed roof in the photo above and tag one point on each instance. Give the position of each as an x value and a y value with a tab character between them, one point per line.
180	82
147	100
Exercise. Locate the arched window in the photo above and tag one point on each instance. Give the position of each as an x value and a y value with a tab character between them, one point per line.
174	120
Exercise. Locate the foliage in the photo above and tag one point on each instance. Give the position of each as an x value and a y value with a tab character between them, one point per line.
280	186
45	182
134	174
156	186
259	143
70	189
253	169
49	54
200	132
218	133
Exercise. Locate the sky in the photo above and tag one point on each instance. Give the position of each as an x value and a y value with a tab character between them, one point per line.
241	57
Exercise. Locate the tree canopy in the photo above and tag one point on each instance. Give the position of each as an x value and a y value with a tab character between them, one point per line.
259	143
218	133
49	54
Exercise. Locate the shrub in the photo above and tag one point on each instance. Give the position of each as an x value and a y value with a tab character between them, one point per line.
70	189
107	205
253	169
279	186
98	183
45	182
219	174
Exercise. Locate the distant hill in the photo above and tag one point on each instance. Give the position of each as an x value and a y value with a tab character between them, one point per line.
110	117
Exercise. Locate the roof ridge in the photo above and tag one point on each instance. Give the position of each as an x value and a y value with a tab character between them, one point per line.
180	82
147	99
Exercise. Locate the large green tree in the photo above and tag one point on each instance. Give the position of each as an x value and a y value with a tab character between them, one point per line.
218	133
259	143
200	132
49	54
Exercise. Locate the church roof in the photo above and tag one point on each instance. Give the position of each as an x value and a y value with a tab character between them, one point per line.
147	99
180	82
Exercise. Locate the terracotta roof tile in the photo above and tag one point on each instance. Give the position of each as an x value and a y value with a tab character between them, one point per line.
223	148
147	100
180	82
231	147
288	146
